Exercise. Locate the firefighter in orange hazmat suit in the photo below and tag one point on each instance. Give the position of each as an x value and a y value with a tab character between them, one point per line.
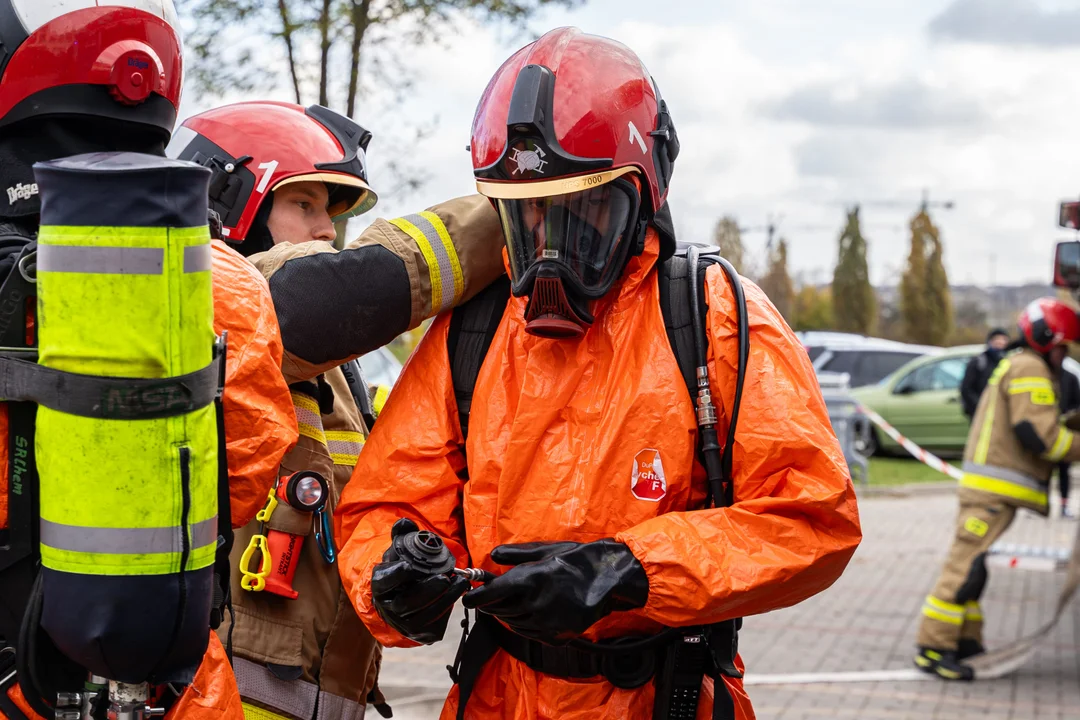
55	101
581	440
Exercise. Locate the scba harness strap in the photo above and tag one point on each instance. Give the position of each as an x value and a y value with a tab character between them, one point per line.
678	658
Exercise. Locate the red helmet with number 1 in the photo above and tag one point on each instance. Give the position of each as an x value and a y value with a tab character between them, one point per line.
1048	322
254	148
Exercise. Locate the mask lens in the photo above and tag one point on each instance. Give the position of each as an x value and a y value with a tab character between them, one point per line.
583	231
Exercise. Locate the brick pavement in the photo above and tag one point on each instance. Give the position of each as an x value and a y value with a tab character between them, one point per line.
867	621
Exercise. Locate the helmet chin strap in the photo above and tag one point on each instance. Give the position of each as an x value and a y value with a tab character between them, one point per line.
552	312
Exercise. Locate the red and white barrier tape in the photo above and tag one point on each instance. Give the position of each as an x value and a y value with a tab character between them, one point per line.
926	458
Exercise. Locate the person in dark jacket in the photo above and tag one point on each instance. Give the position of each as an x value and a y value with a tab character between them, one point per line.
1069	402
980	368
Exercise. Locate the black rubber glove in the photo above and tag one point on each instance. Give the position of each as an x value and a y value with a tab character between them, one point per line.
409	598
558	590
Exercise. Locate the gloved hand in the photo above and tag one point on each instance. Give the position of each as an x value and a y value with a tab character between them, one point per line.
409	598
556	591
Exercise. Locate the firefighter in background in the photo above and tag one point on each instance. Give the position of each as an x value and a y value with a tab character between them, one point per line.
314	162
55	101
580	393
1015	442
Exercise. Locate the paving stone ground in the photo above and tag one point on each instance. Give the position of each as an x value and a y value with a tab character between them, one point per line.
867	621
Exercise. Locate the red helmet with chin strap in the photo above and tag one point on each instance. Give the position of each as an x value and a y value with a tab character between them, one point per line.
1048	322
575	148
254	148
115	59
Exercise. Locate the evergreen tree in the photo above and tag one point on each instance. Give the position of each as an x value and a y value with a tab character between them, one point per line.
854	305
728	238
777	282
925	300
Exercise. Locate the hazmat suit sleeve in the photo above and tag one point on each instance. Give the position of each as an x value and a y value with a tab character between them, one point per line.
1034	413
420	477
260	424
334	306
794	524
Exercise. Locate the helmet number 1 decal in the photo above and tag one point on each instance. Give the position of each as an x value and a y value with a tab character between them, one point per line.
636	135
269	167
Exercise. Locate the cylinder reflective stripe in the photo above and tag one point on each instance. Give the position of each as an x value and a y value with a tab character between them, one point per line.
128	302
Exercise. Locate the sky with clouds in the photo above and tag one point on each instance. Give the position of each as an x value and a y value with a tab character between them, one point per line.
795	108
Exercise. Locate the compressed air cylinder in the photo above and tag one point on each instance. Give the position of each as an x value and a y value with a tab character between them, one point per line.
128	507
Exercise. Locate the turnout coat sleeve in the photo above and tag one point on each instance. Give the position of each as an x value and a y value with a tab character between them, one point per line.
1034	409
421	472
334	306
794	524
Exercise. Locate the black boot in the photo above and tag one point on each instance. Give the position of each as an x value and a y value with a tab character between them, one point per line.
942	663
969	648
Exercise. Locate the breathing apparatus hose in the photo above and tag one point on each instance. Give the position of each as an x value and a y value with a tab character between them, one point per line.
26	654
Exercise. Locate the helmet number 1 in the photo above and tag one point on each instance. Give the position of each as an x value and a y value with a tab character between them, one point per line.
269	167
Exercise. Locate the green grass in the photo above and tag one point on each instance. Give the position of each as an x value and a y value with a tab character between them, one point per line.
901	471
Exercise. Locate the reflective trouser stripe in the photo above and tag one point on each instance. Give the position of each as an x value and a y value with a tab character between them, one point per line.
308	417
444	268
344	446
972	612
1015	486
1062	445
943	611
295	697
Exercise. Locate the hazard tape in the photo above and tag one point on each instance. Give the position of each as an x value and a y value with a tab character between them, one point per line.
926	458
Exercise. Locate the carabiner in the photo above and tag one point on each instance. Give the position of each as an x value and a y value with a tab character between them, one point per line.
324	536
255	581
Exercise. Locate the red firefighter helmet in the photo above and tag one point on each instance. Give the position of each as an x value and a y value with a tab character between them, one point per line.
1048	322
253	148
113	59
575	147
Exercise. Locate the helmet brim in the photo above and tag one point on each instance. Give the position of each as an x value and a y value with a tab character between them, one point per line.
510	190
365	198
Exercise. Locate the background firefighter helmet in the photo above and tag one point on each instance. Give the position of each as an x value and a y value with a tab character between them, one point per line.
253	148
81	76
575	147
1048	322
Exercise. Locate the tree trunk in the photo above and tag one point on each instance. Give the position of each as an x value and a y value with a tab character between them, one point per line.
360	24
324	60
287	36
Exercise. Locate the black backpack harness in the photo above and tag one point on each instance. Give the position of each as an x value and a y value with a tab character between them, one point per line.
678	658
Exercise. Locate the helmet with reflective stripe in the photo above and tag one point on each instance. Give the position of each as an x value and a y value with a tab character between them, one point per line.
254	148
1048	322
118	59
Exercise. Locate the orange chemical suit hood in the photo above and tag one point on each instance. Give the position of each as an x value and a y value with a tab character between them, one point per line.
596	438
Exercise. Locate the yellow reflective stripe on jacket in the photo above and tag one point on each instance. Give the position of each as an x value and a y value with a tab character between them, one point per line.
1004	488
1061	447
344	446
308	417
972	611
254	712
945	612
444	267
982	448
1040	389
382	394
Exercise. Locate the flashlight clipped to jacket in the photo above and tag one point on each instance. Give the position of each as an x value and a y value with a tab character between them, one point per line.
299	501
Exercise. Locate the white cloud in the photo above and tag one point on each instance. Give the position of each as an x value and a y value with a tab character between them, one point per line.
883	111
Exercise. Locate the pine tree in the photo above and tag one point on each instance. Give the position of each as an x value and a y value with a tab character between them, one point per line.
854	304
728	238
777	282
925	300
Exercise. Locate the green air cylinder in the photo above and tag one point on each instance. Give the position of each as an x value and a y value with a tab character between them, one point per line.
128	507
